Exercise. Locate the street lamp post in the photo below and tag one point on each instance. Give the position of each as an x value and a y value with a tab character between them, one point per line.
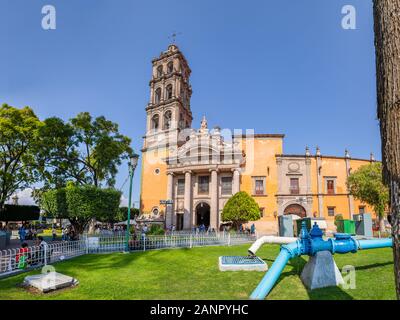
132	166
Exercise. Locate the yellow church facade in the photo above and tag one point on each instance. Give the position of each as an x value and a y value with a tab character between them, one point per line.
189	174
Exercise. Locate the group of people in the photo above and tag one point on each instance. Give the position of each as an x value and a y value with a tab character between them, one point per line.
251	230
67	234
26	256
27	232
109	229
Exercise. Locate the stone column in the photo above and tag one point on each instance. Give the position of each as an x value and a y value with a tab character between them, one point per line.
280	176
308	175
187	201
319	185
349	196
169	217
236	181
214	199
152	93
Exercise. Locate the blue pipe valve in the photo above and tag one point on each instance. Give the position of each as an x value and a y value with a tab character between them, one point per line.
310	243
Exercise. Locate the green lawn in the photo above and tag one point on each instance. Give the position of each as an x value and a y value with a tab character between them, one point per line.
193	274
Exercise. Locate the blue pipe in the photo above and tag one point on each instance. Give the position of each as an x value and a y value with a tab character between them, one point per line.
310	244
375	243
264	287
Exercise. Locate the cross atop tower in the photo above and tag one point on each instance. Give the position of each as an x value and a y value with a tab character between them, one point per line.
174	35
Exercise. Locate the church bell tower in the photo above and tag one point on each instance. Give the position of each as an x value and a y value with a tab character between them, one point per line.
168	111
167	114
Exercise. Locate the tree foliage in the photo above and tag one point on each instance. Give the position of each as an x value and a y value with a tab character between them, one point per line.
123	214
366	185
19	132
241	208
79	204
84	150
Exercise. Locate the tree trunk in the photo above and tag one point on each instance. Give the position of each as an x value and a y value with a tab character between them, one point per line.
78	227
382	227
387	47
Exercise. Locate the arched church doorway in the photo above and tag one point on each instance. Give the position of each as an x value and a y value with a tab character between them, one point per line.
203	214
295	209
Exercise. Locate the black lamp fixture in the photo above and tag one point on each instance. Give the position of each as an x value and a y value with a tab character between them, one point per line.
133	160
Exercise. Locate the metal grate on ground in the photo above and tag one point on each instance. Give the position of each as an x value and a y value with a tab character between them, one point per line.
241	260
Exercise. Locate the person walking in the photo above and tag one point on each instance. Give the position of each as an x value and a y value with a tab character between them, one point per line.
22	234
44	255
54	233
64	234
253	229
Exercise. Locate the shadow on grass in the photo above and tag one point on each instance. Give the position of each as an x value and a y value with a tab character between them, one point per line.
329	293
375	265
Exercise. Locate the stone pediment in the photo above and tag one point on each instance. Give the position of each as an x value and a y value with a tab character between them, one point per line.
205	147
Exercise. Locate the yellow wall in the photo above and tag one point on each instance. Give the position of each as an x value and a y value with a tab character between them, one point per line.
336	167
260	161
153	186
257	164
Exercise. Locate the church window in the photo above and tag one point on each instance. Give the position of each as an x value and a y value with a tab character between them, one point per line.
158	95
170	67
331	211
294	186
159	71
204	182
155	122
167	120
330	186
181	187
259	186
169	92
226	185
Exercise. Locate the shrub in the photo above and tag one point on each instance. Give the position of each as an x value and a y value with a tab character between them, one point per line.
338	217
156	230
240	209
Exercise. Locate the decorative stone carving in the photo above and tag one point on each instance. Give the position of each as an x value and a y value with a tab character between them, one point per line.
293	167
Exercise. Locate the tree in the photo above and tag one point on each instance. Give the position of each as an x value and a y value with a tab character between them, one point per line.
366	185
387	48
241	208
79	204
83	150
123	214
19	135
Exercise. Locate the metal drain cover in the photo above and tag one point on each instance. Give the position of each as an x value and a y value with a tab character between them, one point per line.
237	263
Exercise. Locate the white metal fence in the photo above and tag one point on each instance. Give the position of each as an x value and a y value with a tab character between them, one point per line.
20	259
17	260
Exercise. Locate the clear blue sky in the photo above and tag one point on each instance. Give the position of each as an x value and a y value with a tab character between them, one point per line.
279	66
